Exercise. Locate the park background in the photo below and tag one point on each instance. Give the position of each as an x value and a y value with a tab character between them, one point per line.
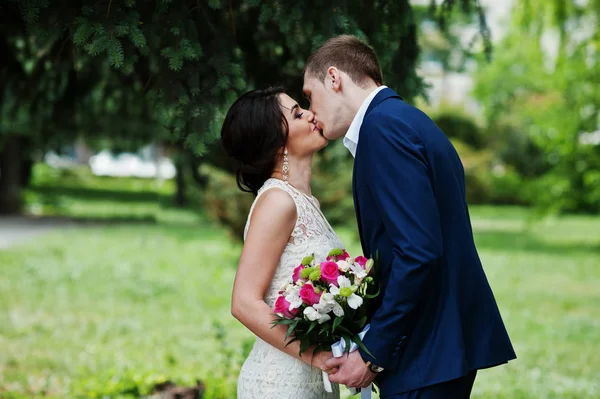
120	225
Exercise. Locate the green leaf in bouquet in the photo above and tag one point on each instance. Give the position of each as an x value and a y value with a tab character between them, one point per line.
336	322
312	326
361	322
291	328
360	344
286	321
371	296
307	260
291	341
335	252
278	321
347	341
345	331
304	344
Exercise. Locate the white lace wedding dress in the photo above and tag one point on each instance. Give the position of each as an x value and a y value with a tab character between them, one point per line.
269	373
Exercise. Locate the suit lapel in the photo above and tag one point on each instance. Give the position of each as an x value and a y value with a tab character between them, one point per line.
382	95
356	203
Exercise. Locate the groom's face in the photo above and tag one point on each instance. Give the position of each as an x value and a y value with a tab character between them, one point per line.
324	104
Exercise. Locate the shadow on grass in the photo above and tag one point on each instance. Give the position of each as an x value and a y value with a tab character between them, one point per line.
88	220
86	193
525	241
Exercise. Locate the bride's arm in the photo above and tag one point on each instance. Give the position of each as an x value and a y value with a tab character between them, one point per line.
271	224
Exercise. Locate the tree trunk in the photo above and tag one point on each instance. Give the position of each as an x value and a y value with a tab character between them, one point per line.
194	163
10	176
26	171
180	198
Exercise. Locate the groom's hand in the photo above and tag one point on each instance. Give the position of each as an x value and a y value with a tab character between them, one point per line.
353	371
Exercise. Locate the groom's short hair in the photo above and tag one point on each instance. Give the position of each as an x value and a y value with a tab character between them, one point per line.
348	54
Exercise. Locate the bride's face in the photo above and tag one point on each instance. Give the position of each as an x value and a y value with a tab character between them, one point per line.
304	137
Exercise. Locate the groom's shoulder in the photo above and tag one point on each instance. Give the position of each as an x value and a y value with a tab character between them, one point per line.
395	109
395	106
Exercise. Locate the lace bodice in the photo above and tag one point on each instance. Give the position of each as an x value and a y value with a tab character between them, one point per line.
269	372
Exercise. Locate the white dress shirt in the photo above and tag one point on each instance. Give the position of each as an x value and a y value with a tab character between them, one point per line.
351	138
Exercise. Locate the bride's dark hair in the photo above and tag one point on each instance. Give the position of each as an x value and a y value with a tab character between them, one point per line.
254	131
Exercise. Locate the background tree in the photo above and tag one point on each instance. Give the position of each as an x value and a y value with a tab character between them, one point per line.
540	94
168	68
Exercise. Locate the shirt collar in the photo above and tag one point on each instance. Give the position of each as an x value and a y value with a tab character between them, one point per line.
351	138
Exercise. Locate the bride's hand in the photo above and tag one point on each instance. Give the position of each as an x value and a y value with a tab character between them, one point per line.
319	360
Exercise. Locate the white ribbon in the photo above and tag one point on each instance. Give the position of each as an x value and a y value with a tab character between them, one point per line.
338	350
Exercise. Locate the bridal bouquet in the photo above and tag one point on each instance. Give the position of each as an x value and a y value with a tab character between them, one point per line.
325	304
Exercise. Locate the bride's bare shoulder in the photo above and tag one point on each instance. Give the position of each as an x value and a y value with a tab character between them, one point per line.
275	205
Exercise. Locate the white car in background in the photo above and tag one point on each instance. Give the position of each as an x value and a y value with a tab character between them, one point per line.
131	165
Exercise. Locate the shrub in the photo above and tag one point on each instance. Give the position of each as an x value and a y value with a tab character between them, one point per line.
332	184
516	149
456	124
224	202
487	179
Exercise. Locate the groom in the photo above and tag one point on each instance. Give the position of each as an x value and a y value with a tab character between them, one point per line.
436	322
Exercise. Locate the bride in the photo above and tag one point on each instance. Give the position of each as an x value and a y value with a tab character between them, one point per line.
274	140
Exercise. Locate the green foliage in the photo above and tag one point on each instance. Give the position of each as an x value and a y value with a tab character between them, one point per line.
122	71
205	51
549	97
224	202
487	179
456	124
491	157
516	149
332	183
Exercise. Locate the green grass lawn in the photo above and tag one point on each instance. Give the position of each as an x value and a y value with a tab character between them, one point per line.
106	308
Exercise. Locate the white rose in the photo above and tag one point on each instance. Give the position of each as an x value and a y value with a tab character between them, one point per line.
343	265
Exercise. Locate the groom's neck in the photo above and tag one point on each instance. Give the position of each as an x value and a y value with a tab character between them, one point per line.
358	94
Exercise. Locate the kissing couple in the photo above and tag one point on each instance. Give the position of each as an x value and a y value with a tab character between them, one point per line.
435	322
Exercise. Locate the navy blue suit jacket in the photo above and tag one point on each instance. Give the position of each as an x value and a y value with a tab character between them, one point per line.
436	318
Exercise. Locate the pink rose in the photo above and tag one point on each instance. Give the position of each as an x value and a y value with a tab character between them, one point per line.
330	272
343	256
361	260
283	307
308	295
297	271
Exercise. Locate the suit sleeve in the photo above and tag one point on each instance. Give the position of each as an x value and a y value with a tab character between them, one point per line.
399	181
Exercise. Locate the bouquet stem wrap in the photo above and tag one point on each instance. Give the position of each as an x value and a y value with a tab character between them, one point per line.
338	350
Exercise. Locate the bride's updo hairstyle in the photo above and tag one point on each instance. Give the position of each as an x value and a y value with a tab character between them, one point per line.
254	132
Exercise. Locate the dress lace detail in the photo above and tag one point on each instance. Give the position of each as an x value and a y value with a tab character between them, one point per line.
269	373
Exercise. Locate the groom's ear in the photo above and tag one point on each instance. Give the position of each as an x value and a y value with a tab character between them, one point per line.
334	79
